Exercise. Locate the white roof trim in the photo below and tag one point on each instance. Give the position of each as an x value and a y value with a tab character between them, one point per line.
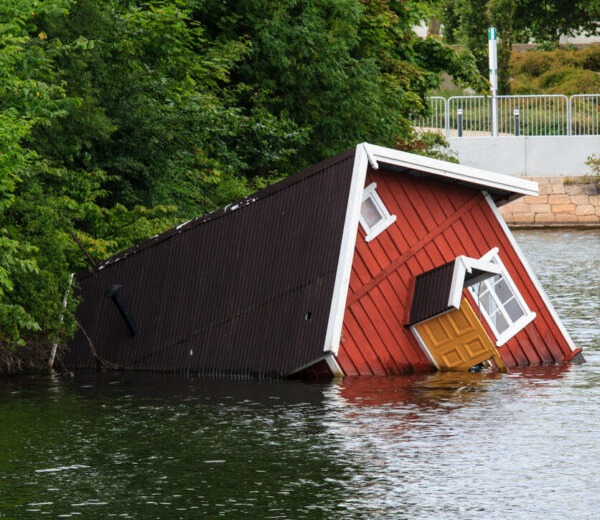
462	266
372	160
344	269
333	366
459	172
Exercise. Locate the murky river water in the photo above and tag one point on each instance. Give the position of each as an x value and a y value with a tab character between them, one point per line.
522	445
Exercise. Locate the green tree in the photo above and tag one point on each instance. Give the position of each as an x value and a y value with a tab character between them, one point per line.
118	118
466	22
342	71
546	21
147	110
45	198
26	100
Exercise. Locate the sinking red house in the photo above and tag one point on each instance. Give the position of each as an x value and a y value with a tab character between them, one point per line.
376	261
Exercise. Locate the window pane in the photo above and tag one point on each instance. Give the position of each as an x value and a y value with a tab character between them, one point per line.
514	310
370	213
500	323
493	280
488	303
503	291
479	289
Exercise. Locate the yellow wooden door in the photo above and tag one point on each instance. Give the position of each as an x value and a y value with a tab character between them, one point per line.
457	340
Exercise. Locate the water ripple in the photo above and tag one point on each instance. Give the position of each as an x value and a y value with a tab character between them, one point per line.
468	446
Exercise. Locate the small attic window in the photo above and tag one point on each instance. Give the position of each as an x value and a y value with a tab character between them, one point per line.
374	216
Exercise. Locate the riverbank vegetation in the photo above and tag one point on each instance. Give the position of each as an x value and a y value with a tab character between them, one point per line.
122	117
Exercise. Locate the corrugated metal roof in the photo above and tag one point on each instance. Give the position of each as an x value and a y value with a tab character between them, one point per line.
438	290
431	293
245	290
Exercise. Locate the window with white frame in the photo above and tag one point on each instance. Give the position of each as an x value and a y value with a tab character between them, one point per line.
374	216
501	303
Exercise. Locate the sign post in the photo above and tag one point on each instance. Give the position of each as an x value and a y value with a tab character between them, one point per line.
493	57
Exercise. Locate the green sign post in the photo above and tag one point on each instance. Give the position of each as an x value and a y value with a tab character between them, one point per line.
493	57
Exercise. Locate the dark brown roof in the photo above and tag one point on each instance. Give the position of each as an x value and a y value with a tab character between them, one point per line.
431	293
245	290
432	289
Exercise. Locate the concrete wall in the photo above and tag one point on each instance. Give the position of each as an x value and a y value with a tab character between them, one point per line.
527	156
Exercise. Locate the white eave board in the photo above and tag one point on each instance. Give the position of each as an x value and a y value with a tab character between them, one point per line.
484	179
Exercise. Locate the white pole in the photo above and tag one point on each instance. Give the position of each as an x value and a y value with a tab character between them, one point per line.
493	55
55	344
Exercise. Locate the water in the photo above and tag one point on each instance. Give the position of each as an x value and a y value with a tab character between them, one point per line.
520	445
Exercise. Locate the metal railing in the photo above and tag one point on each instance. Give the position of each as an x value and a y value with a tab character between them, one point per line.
585	112
532	115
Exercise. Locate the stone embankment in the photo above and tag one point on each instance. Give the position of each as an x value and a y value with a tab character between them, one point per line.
562	202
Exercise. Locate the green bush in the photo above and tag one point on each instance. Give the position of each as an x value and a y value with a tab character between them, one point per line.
577	82
594	163
591	58
532	64
560	71
523	85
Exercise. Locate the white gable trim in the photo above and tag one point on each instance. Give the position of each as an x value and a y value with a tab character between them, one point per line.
423	346
344	269
459	172
530	272
333	366
462	266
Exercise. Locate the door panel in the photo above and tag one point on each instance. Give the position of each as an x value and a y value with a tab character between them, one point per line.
457	341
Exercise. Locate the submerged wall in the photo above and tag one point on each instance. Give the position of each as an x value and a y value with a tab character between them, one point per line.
563	201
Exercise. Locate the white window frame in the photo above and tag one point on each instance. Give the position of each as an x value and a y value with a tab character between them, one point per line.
513	326
386	220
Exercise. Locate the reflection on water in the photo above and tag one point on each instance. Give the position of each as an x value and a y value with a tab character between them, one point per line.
519	445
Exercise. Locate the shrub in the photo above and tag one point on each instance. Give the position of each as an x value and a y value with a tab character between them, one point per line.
560	71
591	58
523	85
578	82
594	163
533	63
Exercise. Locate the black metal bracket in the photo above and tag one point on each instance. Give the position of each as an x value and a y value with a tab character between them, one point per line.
113	292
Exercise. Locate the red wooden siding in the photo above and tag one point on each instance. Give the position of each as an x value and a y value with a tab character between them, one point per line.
436	221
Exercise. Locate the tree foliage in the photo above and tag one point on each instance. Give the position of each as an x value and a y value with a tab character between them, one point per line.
466	22
119	118
546	21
